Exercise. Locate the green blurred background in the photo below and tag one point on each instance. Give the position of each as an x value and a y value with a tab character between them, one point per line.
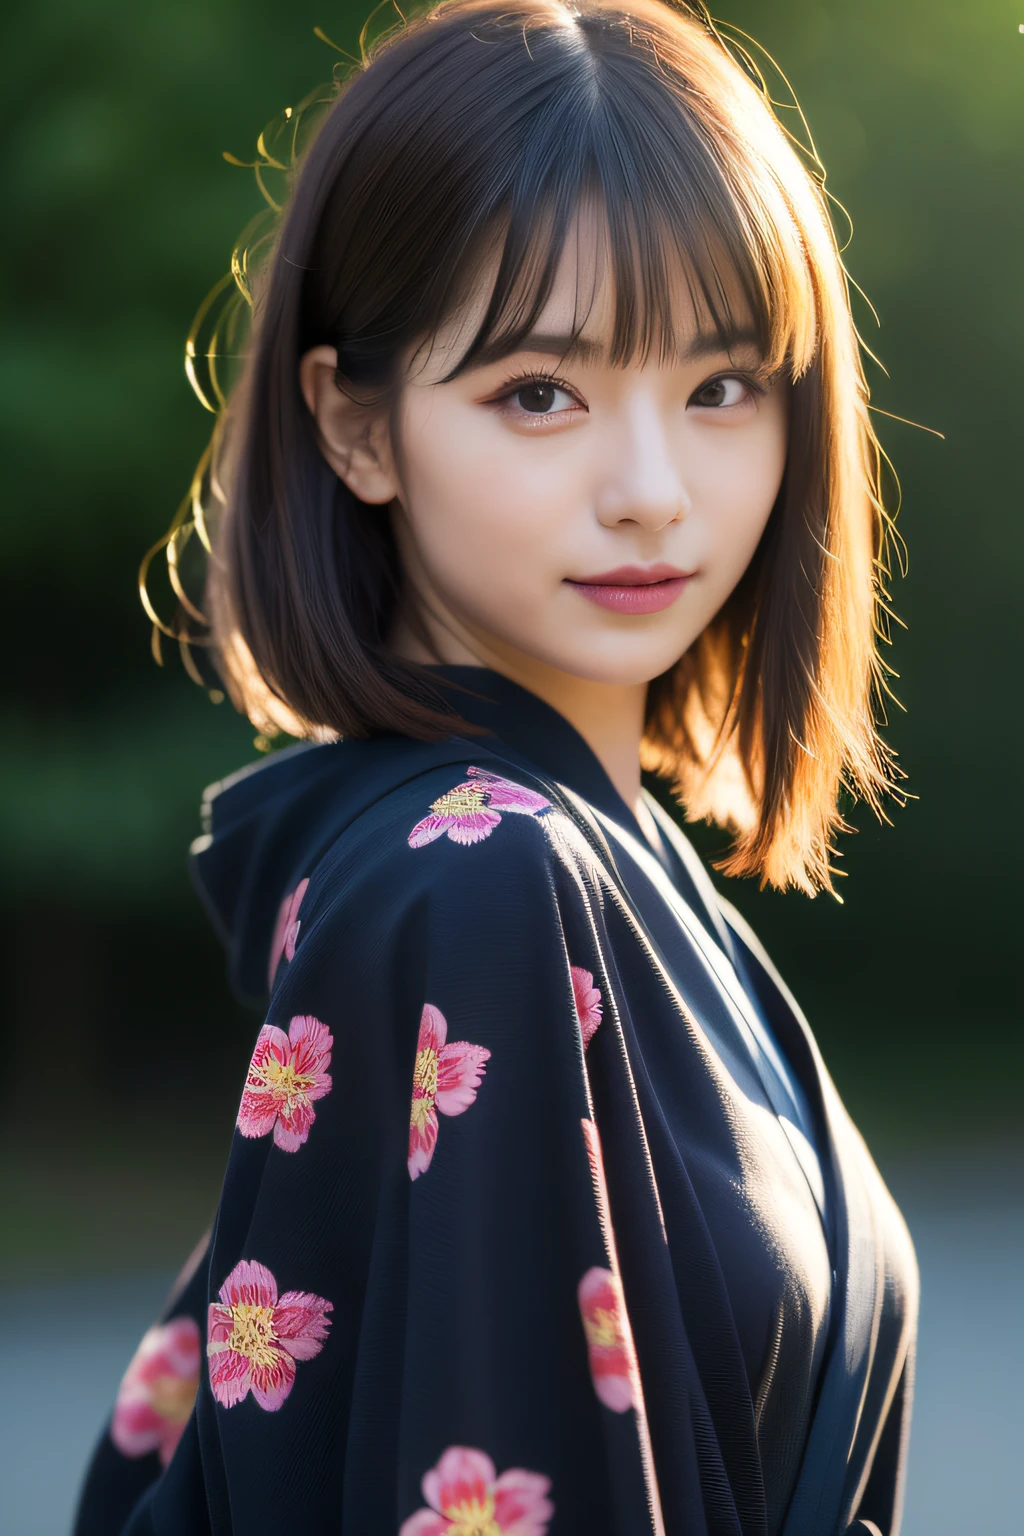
123	1050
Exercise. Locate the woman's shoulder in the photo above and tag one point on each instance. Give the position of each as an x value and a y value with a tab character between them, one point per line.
460	822
458	848
360	829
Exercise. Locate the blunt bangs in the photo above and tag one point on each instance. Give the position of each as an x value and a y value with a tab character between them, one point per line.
468	140
621	134
569	109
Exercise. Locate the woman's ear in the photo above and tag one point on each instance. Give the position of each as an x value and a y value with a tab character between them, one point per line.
353	438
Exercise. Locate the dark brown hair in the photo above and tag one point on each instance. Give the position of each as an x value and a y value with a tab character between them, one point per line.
481	126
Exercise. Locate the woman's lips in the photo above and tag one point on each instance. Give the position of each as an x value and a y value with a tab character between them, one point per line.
634	588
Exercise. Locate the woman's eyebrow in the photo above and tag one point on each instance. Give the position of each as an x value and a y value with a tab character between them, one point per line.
584	350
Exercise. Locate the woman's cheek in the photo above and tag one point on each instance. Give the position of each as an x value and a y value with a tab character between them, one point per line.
478	554
743	486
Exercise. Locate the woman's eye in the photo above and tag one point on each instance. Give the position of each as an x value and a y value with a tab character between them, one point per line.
540	397
723	392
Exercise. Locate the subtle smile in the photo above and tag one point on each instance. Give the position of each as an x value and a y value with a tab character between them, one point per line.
634	588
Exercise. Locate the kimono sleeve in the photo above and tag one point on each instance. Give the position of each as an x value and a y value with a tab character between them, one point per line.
415	1319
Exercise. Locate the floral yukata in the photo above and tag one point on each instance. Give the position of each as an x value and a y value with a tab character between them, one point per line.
542	1214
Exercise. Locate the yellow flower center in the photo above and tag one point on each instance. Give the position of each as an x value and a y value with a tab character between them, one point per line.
289	1087
472	1518
172	1397
252	1333
424	1086
602	1329
466	800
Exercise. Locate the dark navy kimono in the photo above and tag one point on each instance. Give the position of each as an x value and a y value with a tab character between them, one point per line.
542	1213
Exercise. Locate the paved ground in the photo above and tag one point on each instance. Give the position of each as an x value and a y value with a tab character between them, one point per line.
62	1351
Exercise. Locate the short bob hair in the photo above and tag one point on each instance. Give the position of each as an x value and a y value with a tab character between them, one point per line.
480	126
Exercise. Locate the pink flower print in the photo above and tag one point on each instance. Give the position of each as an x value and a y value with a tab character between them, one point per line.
445	1078
159	1390
470	811
254	1337
467	1499
288	1072
608	1338
286	930
588	1002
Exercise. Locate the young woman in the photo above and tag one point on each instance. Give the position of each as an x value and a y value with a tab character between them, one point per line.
552	460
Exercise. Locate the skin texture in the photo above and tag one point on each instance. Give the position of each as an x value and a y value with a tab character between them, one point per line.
503	491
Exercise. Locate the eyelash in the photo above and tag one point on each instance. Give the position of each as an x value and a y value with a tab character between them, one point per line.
520	380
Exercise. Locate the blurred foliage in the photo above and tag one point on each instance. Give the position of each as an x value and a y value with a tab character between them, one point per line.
121	213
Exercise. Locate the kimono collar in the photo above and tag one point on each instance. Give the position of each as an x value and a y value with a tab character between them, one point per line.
536	732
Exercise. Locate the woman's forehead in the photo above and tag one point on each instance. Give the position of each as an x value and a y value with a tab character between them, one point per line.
577	319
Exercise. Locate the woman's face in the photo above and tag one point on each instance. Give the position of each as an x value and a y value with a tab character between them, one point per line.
574	515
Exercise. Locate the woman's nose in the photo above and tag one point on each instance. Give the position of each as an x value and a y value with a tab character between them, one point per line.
644	482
